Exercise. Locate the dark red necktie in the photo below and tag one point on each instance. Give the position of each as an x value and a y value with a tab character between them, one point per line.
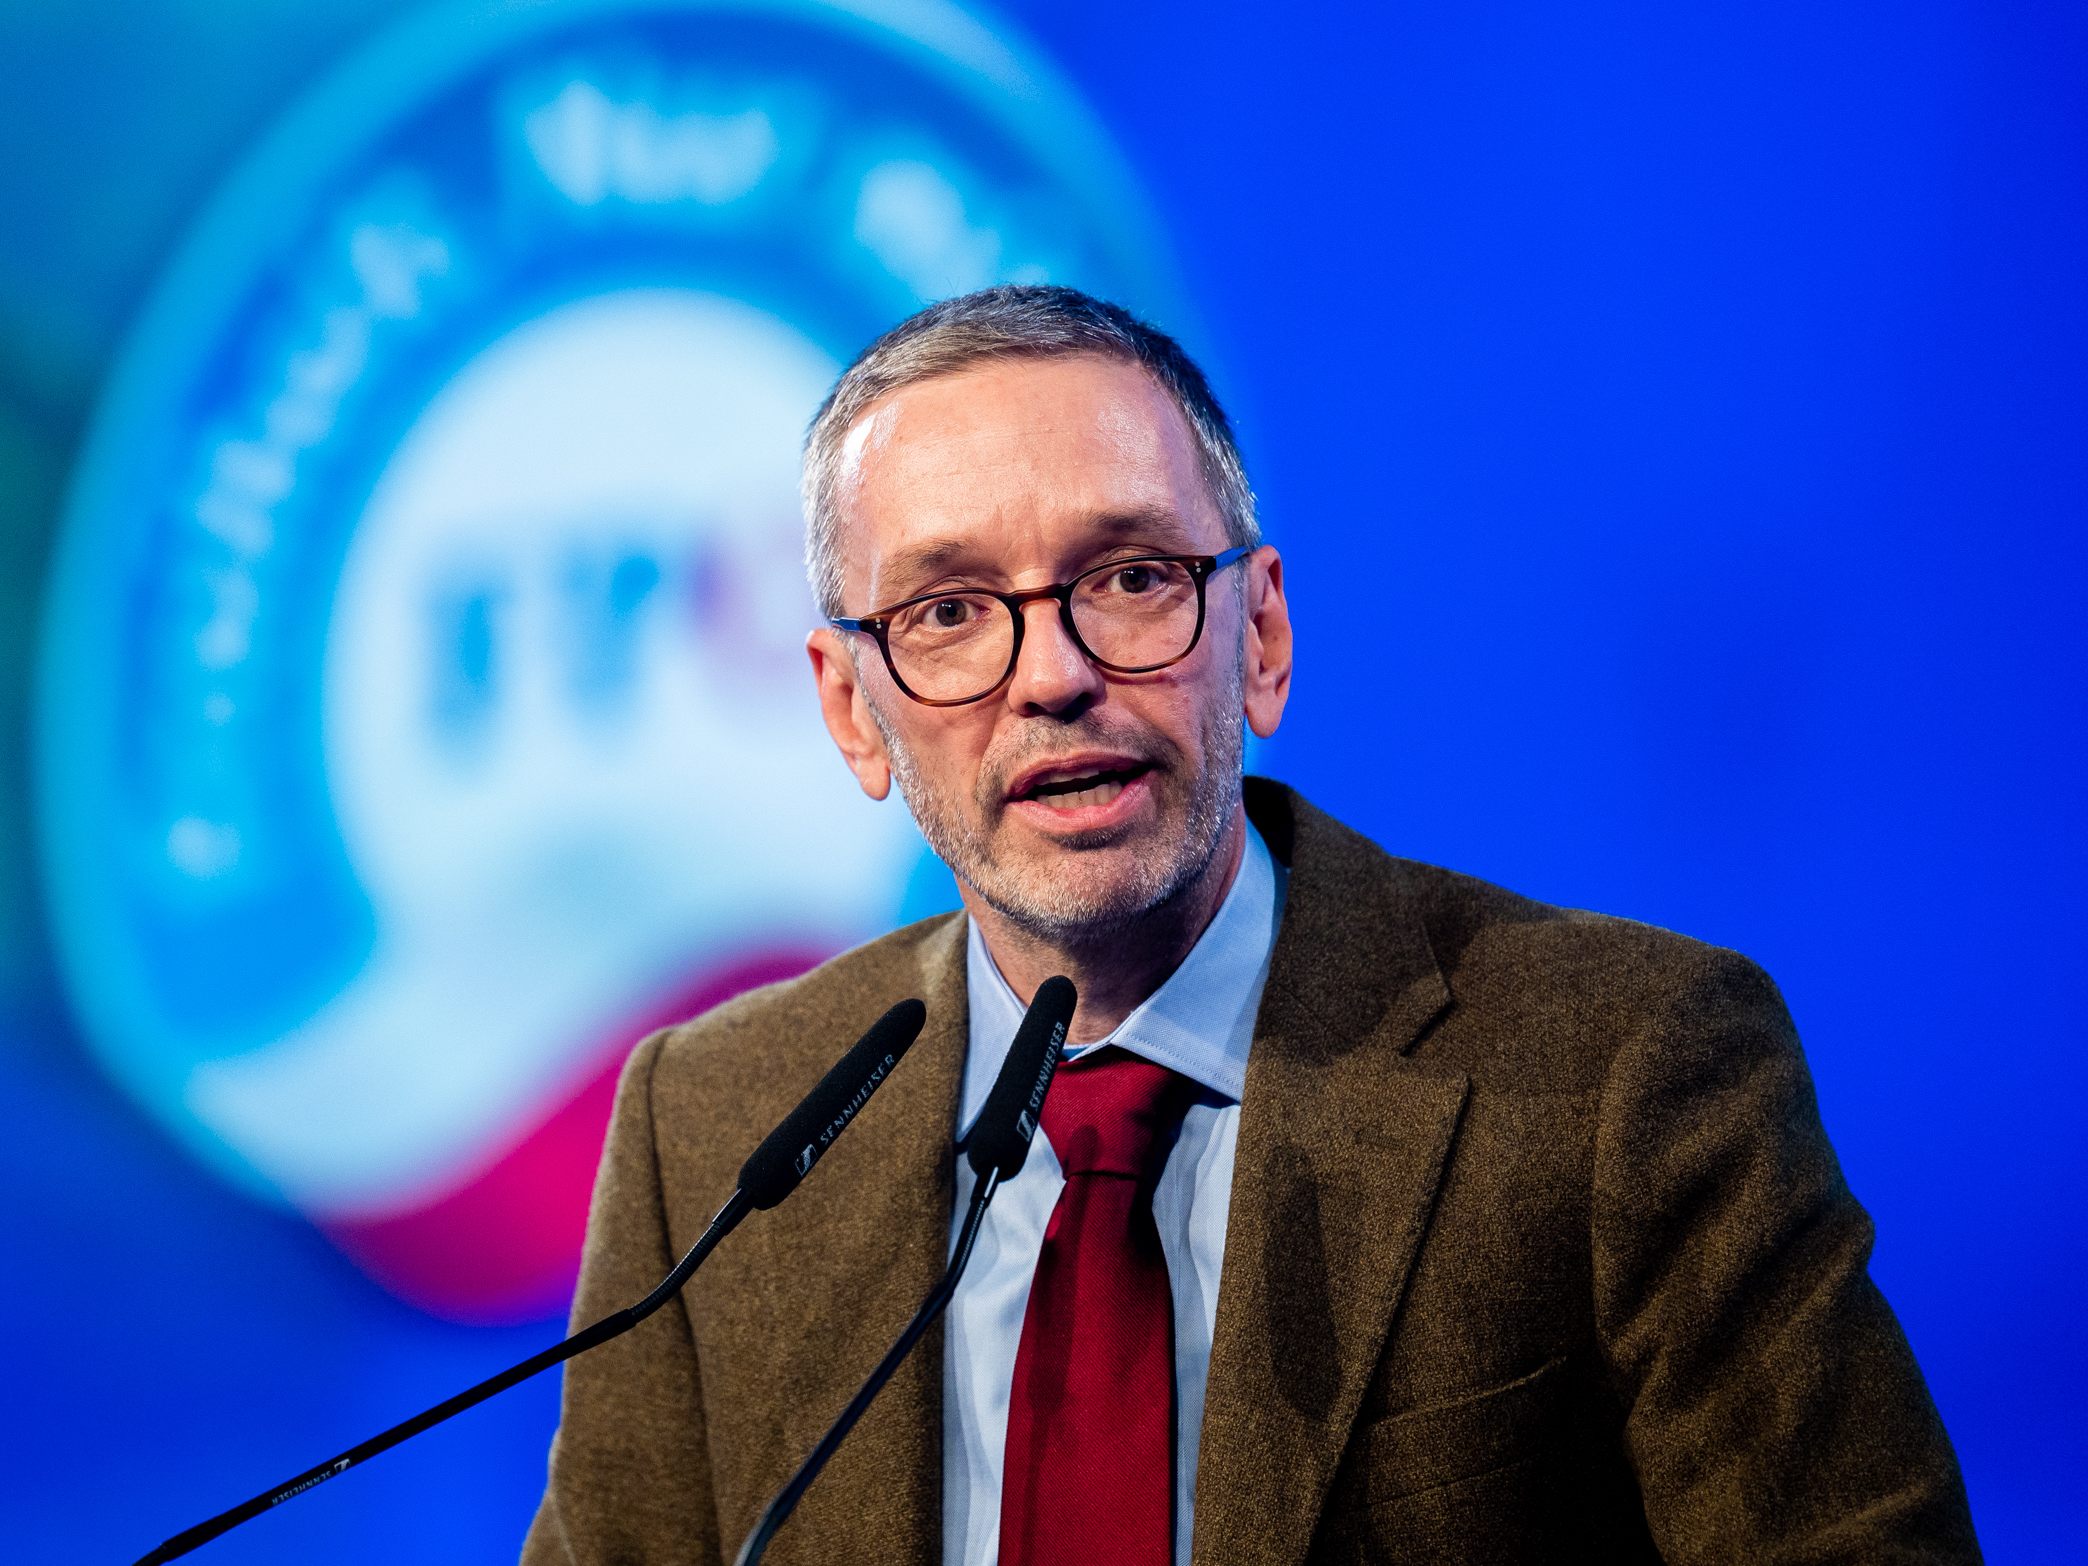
1088	1476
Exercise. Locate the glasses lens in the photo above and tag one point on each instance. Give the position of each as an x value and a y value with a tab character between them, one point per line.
951	648
1136	613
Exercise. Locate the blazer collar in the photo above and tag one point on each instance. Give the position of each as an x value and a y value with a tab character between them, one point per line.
867	1253
1342	1143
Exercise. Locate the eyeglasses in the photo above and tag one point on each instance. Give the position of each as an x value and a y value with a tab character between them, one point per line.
1128	616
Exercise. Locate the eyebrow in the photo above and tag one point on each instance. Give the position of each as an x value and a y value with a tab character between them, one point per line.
918	563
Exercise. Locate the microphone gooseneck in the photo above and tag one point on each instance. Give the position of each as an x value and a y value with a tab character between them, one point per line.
998	1145
773	1171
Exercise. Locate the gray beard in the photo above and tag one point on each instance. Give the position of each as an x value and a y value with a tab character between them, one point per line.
1060	913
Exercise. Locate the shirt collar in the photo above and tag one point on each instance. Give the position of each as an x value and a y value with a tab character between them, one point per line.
1200	1021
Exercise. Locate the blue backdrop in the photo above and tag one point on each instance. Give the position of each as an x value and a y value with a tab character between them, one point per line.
1671	418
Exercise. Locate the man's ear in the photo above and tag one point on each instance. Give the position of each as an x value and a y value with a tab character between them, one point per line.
1267	675
847	712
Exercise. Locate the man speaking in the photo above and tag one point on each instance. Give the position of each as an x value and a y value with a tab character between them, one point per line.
1378	1214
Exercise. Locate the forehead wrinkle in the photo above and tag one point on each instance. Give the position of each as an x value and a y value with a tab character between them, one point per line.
1130	451
917	560
900	427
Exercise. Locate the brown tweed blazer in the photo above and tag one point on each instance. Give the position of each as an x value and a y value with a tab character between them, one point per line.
1537	1253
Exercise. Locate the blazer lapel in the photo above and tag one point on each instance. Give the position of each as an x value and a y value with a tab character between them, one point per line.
873	1245
1342	1143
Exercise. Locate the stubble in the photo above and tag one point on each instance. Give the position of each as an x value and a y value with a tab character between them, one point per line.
1055	902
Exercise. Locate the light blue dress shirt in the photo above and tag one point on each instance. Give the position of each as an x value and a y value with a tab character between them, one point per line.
1200	1022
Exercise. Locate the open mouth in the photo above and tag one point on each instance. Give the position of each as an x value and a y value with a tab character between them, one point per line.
1079	790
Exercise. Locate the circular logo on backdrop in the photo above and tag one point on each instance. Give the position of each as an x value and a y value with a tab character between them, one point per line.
424	712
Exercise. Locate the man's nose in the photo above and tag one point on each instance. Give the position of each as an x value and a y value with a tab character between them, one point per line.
1052	674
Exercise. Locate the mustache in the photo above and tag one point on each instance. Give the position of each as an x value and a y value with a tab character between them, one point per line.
1028	747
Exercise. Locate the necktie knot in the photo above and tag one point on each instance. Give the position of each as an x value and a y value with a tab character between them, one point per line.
1114	1114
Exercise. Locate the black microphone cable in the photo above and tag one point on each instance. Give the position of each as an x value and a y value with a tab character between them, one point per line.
996	1149
771	1172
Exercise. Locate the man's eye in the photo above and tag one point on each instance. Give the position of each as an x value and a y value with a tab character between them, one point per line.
1134	579
949	614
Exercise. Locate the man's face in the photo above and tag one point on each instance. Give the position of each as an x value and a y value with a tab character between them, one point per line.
1072	801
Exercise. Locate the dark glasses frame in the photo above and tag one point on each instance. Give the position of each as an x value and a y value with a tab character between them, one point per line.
878	623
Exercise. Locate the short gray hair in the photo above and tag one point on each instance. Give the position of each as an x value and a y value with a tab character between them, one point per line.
1015	321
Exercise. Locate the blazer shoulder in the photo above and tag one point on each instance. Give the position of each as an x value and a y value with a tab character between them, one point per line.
1476	922
704	1093
1541	995
1552	991
799	1017
721	1081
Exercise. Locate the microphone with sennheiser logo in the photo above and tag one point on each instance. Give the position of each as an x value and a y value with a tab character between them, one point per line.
772	1171
998	1145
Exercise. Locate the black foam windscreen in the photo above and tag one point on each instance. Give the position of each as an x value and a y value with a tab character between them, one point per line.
788	1153
1001	1138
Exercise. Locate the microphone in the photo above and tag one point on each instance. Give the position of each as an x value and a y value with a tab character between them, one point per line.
786	1155
1000	1142
774	1169
996	1148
